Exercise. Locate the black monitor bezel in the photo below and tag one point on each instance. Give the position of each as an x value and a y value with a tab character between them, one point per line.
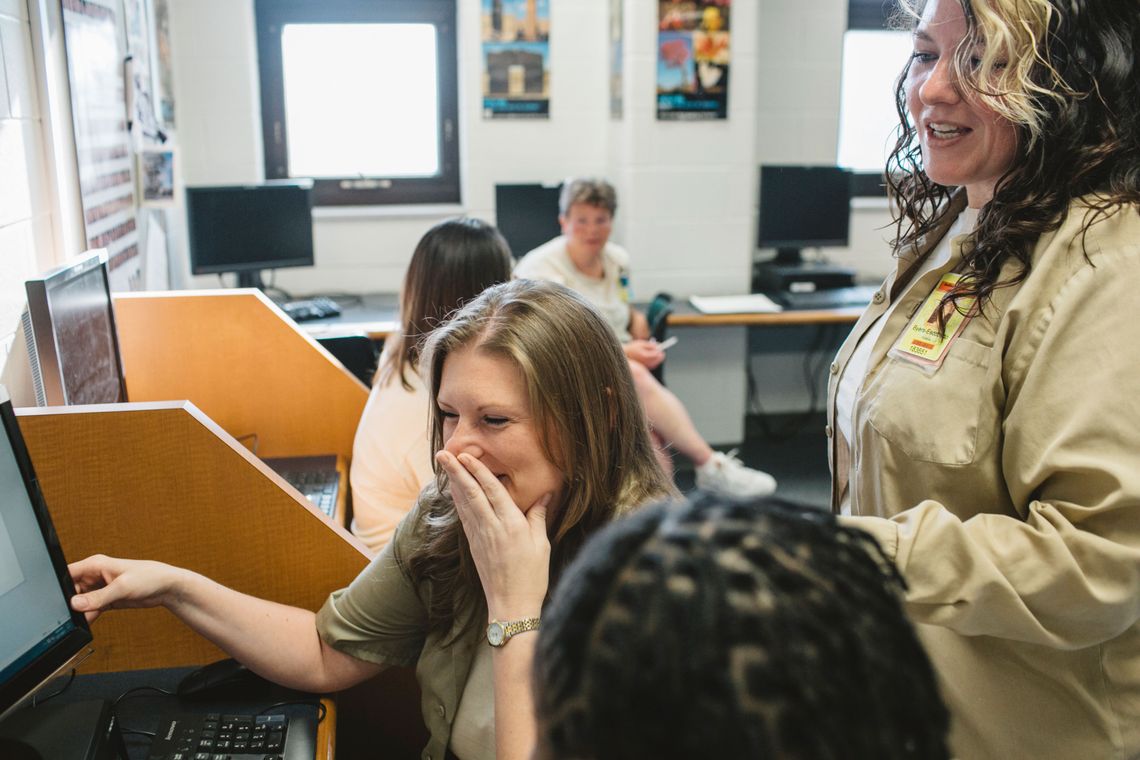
62	652
804	241
198	268
43	346
505	197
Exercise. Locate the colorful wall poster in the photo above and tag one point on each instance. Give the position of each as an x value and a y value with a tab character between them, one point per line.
516	59
692	59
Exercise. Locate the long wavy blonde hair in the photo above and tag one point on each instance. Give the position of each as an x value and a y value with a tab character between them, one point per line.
589	418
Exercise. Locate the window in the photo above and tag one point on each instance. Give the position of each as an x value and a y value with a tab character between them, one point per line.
873	57
360	95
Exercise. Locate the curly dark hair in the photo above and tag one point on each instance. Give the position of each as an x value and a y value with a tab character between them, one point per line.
1065	73
716	628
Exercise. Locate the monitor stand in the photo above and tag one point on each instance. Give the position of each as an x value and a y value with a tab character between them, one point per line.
250	280
788	272
80	730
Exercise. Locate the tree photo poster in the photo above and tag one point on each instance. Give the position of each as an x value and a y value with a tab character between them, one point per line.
693	56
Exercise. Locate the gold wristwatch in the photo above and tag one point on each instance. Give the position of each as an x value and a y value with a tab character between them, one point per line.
499	633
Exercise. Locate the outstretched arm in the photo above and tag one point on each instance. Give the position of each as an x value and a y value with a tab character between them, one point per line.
274	640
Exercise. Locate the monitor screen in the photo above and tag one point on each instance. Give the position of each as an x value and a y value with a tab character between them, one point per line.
248	228
527	215
804	206
70	331
40	634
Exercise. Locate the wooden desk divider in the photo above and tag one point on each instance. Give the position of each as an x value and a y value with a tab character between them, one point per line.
162	481
240	360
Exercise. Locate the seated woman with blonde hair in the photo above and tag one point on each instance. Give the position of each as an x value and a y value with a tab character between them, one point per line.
532	407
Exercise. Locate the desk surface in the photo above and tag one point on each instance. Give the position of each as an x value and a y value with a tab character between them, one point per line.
377	316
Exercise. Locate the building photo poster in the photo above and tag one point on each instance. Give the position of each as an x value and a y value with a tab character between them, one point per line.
692	59
516	59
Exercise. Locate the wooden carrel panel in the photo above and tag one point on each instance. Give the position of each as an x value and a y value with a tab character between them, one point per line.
161	481
240	360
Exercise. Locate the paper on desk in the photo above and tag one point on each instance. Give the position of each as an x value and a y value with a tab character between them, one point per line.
755	303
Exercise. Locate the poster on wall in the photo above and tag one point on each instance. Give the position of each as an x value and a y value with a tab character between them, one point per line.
95	55
516	59
617	105
692	59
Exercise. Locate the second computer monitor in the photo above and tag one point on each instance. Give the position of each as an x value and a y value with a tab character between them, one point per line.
69	327
803	207
527	215
249	228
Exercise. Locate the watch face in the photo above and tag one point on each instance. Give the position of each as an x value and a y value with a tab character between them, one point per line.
495	634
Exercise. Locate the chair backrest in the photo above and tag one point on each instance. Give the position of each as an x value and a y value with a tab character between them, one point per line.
658	315
358	354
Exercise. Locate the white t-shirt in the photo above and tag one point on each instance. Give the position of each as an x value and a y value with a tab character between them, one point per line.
856	369
551	261
391	457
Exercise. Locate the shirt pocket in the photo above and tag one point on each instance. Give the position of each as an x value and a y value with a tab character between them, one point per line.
941	417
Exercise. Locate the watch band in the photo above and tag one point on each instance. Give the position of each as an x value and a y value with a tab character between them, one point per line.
500	632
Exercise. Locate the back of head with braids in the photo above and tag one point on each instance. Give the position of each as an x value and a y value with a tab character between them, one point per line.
725	629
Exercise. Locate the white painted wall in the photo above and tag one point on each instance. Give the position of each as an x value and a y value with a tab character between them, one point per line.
687	189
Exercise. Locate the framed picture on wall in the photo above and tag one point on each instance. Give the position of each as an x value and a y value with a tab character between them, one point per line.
156	176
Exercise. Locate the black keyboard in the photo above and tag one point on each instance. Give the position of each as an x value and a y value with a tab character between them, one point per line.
315	477
217	736
319	307
828	298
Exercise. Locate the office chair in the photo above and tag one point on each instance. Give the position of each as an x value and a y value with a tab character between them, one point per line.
358	354
658	317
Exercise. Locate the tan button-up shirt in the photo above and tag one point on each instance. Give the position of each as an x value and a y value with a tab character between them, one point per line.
1006	487
381	618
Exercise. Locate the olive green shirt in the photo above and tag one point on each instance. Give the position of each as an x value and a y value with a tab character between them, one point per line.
382	618
1006	488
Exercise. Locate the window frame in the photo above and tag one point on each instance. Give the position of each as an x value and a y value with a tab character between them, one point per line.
272	15
870	15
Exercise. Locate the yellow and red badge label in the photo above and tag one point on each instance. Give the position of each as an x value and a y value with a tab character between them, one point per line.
922	341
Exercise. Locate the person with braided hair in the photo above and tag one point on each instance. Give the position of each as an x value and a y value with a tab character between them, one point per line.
984	419
717	628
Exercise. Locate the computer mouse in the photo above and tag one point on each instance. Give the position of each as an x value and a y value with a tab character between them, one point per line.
224	679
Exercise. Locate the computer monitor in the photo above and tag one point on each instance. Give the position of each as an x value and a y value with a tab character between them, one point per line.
803	207
69	328
527	215
41	635
250	228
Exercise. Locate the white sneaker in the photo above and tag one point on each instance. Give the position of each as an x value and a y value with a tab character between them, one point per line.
726	475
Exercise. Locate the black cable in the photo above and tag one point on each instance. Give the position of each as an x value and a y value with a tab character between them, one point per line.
135	690
130	692
321	709
251	437
815	363
40	700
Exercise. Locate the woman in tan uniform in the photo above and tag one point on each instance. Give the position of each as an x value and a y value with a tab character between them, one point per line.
992	448
533	406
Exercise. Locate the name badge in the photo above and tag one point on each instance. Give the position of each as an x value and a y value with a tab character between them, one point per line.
922	342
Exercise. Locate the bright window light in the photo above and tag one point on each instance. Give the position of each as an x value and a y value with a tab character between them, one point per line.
361	100
872	61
